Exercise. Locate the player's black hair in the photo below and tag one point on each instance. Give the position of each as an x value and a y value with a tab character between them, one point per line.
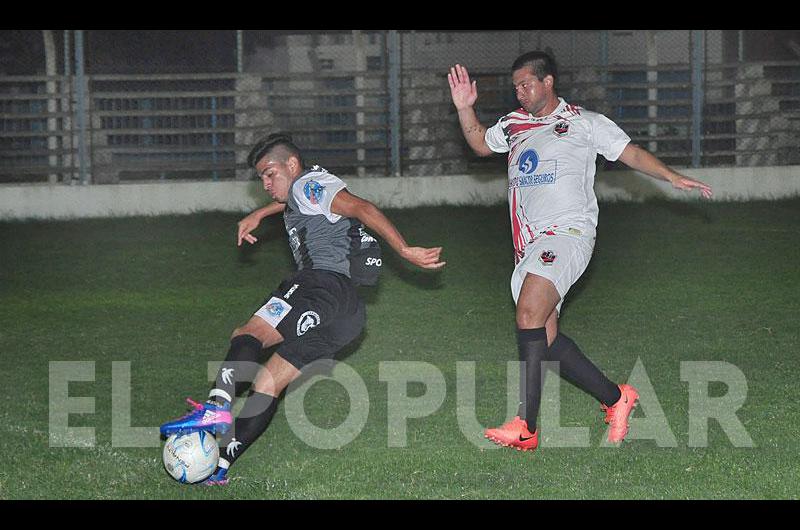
268	143
541	63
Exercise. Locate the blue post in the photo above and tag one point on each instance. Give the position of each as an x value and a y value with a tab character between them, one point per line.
147	121
80	91
67	65
214	139
393	45
239	51
604	55
698	93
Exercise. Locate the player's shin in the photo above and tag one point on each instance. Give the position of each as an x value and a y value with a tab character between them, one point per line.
532	344
576	368
238	370
251	423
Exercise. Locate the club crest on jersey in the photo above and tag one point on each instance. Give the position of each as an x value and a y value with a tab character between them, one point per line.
561	128
313	191
547	257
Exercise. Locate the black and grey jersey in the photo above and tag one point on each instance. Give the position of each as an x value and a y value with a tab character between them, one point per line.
319	238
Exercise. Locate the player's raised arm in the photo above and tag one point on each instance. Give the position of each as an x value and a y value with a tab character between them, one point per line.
348	205
641	160
251	222
465	93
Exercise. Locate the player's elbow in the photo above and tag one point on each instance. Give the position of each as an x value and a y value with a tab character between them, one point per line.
362	210
482	150
368	211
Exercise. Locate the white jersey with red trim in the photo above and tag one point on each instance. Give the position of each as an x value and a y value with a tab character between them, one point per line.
551	168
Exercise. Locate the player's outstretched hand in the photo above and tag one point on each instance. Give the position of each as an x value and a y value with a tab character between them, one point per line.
247	225
687	183
427	258
463	92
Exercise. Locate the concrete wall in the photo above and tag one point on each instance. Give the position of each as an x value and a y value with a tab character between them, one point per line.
42	201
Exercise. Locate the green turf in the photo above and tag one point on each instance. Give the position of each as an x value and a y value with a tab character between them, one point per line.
669	282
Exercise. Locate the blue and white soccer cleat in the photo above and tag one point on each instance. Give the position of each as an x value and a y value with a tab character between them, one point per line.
205	416
218	478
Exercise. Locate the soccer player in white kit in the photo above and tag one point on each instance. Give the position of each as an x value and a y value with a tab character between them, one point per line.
552	146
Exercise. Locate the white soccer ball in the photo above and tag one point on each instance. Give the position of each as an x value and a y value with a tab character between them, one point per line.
192	457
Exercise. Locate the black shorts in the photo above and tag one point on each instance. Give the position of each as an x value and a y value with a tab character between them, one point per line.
317	312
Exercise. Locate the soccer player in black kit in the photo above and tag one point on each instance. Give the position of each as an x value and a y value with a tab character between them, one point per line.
312	314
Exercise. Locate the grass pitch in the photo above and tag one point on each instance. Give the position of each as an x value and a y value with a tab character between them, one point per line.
669	283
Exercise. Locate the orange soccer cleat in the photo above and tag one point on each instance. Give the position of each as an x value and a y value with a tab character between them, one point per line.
515	434
617	415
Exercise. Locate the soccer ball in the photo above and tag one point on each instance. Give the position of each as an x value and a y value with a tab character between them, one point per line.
192	457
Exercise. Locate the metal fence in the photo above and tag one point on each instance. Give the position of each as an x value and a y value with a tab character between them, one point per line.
372	103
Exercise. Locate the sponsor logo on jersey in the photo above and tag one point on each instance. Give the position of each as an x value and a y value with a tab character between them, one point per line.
294	240
365	237
528	162
547	257
313	191
527	165
525	181
561	128
307	320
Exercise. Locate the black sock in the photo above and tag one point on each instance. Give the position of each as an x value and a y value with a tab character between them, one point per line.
251	423
581	372
239	369
532	344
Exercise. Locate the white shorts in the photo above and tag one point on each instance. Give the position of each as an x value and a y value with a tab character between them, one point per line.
561	258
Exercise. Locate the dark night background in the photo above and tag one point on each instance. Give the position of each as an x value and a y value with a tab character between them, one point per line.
185	50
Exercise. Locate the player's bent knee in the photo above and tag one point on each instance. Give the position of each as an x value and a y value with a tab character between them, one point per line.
530	320
537	302
531	316
275	376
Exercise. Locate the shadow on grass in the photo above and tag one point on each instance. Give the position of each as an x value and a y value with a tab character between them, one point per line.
419	278
687	209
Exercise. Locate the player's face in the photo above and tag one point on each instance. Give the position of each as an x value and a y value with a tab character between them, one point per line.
532	93
277	176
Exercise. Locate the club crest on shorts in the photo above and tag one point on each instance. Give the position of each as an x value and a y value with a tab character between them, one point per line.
561	128
313	191
547	257
307	320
